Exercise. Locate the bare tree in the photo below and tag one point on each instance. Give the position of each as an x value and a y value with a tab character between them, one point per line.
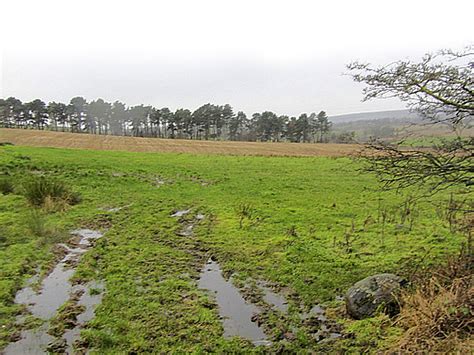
440	88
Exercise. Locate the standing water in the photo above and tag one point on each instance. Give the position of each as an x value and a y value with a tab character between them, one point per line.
55	291
274	299
91	297
236	313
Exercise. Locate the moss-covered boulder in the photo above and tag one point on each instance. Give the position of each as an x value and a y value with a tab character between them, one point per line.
377	292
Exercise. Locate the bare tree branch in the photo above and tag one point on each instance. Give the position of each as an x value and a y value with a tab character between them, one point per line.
440	87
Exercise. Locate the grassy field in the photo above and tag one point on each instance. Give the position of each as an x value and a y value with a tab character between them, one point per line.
316	225
37	138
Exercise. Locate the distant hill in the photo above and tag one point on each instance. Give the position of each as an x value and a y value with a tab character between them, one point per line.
395	115
388	125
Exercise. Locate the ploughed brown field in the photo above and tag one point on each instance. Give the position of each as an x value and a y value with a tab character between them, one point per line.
37	138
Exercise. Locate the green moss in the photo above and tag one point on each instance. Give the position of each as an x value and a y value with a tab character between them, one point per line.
370	335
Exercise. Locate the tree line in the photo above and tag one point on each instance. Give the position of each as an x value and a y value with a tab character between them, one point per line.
208	122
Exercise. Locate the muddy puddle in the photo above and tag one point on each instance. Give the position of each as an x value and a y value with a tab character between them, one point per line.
187	230
159	182
181	213
55	290
236	313
32	342
275	300
316	312
325	332
114	209
90	299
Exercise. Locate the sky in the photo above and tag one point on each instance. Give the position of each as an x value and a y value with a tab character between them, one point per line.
284	56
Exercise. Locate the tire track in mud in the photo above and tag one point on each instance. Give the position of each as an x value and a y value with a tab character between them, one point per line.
237	314
245	310
56	289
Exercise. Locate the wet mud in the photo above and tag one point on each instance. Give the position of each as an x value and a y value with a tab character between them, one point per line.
55	290
326	330
235	312
181	213
90	299
275	300
187	225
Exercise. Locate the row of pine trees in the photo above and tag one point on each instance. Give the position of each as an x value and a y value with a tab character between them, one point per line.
208	122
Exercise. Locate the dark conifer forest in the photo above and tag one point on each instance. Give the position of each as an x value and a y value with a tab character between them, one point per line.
208	122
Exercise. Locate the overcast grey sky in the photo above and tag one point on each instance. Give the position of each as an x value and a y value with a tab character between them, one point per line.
283	56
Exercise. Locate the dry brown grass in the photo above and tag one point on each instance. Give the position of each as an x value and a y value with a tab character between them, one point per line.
438	316
136	144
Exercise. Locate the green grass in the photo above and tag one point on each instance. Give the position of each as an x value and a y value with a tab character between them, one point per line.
315	228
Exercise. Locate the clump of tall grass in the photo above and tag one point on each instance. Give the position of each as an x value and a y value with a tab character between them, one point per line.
6	185
48	193
37	225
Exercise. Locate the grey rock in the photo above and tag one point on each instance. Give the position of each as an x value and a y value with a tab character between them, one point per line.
372	293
